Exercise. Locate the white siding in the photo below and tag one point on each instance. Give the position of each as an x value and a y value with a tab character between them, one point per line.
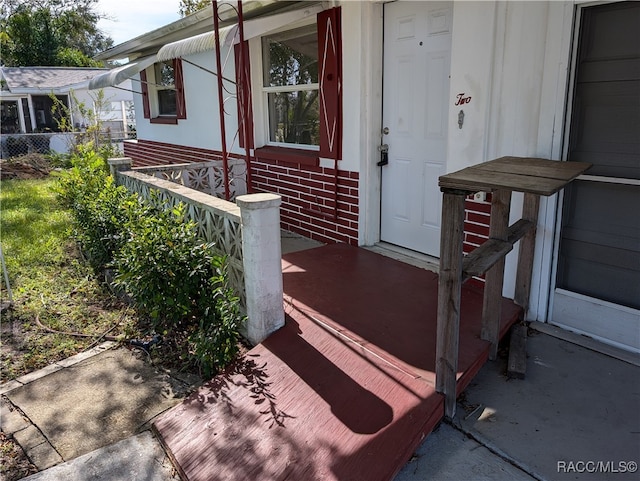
201	128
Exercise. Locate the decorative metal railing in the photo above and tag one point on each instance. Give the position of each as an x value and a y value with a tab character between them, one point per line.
218	221
205	177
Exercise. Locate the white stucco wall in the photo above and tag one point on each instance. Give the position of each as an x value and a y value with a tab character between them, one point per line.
498	59
201	128
512	59
472	46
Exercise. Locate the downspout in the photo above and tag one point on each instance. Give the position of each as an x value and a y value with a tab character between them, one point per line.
223	133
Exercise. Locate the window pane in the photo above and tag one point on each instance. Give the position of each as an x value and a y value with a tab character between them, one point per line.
27	116
291	57
293	117
165	74
9	120
167	102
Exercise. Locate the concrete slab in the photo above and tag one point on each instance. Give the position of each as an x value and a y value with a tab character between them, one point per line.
137	458
449	455
575	409
29	437
70	361
292	242
43	456
96	402
11	420
35	375
5	387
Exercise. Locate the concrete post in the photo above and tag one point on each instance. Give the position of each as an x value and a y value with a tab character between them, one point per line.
119	164
262	261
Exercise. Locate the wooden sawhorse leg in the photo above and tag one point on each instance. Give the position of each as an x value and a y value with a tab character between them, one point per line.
530	210
449	292
494	279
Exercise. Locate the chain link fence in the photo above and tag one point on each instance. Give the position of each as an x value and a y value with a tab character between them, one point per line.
17	145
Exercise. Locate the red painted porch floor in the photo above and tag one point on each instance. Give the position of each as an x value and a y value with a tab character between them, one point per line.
344	391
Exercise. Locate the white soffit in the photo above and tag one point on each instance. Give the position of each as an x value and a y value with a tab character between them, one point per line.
229	35
119	74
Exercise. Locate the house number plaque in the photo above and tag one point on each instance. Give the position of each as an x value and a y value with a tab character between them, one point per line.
461	99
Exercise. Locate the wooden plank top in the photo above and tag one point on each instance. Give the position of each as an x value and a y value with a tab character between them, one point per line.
520	174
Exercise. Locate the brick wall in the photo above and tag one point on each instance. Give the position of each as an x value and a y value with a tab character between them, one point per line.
308	205
147	152
308	199
476	225
308	195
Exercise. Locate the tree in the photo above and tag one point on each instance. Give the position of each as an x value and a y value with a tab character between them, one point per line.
50	33
187	7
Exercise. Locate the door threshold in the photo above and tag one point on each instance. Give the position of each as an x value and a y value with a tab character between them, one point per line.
405	255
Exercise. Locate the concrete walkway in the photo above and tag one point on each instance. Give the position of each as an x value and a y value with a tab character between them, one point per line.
575	408
91	402
574	405
138	458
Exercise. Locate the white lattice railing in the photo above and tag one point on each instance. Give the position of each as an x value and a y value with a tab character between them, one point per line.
246	232
217	221
203	176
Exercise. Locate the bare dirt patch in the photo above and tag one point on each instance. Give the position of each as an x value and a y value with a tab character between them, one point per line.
15	464
29	166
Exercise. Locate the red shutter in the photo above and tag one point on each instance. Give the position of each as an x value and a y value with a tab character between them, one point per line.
330	78
243	89
181	106
145	94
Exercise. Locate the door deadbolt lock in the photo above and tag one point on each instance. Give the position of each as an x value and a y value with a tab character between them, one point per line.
384	154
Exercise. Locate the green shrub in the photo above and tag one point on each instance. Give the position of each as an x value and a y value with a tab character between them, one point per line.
57	159
215	343
97	207
161	265
171	276
87	177
176	280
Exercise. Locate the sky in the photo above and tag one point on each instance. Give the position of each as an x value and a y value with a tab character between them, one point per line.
130	18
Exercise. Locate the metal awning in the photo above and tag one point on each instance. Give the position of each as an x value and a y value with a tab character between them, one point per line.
196	44
119	74
252	28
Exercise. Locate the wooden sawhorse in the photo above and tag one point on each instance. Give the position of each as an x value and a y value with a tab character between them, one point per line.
501	177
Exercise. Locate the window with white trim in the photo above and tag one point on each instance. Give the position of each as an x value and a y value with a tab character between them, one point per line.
291	87
163	92
165	88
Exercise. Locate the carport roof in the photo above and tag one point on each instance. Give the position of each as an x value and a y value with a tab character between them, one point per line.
45	79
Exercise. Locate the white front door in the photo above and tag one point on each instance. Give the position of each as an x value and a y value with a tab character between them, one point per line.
417	53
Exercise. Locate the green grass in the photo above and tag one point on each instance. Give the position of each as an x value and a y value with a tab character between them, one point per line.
50	281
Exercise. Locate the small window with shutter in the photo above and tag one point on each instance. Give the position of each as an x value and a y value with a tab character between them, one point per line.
163	92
